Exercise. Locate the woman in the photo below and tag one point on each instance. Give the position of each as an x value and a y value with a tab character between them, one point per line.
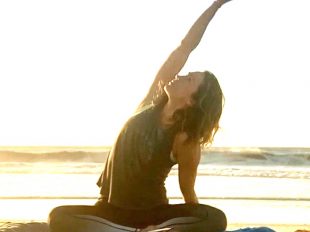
178	116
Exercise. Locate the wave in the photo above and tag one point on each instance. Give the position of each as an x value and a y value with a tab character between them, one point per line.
258	156
7	168
241	156
245	162
59	156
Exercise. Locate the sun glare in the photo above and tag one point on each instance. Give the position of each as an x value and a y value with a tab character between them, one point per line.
74	79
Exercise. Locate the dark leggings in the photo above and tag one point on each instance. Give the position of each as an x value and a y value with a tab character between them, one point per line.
180	217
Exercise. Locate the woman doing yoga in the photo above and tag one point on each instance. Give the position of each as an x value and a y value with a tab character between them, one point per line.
178	116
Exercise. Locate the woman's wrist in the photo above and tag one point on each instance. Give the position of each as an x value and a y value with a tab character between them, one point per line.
221	2
218	3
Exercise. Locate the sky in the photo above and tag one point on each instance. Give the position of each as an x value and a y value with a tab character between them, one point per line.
72	72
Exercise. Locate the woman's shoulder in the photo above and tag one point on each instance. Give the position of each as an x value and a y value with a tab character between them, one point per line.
181	137
182	142
143	114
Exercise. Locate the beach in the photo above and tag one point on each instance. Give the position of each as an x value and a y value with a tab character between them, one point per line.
278	215
252	188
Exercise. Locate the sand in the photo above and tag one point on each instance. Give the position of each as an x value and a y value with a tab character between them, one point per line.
23	227
42	227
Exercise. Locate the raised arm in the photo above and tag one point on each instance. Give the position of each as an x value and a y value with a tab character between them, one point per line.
177	59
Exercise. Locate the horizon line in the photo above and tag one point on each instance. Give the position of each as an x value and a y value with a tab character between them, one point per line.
105	146
169	197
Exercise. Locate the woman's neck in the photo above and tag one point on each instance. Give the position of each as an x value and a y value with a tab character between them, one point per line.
168	111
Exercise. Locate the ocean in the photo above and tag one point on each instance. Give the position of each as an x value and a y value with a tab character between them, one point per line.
251	185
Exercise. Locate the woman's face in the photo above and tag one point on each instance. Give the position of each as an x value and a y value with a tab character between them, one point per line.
183	87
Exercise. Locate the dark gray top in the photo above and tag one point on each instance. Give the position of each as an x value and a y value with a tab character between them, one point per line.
138	163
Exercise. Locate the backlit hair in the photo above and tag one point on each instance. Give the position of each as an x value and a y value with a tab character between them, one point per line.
200	121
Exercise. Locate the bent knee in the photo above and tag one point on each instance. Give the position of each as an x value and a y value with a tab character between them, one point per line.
59	219
56	213
219	219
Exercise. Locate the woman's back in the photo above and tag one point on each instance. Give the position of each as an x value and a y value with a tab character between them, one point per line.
139	163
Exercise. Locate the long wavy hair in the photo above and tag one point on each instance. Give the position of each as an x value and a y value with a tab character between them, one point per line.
201	120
